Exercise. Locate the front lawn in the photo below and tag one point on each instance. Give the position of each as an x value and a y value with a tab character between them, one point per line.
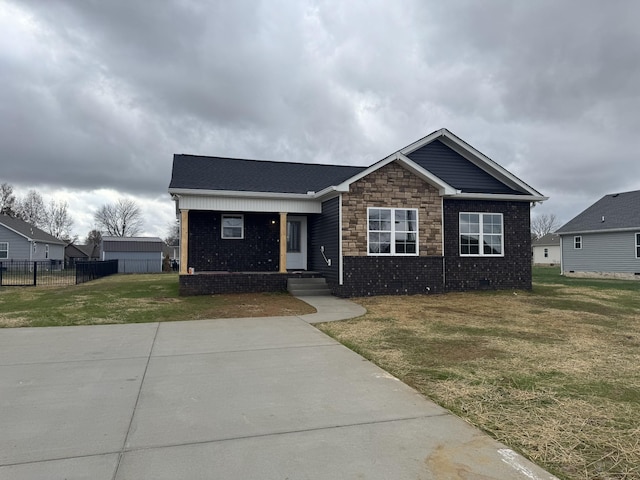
553	373
130	299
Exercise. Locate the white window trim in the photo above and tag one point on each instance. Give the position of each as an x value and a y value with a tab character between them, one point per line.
234	215
393	231
575	241
481	234
6	249
637	237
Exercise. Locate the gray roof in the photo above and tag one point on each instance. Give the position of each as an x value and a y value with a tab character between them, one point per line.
617	211
132	244
219	173
27	230
430	153
548	240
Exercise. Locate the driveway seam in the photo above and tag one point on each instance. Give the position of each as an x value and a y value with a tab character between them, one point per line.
135	406
265	349
289	432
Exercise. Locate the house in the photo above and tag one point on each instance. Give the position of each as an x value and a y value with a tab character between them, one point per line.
605	238
546	249
134	254
81	253
435	216
21	241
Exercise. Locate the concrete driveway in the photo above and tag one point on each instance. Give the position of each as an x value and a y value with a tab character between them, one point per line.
263	398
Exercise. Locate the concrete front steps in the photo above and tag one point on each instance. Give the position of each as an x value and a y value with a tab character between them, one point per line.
306	287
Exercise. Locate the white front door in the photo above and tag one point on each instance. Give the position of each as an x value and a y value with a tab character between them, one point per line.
296	243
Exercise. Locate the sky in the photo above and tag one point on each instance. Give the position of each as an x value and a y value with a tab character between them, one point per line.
96	96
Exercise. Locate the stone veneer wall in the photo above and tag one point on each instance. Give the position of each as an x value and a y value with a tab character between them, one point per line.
392	186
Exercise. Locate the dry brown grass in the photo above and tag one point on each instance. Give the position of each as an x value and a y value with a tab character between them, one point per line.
553	373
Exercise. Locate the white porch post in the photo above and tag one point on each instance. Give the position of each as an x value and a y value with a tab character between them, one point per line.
283	242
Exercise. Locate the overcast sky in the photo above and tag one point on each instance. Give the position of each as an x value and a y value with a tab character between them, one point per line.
96	96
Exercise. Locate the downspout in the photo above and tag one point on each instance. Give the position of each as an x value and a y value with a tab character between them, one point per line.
561	255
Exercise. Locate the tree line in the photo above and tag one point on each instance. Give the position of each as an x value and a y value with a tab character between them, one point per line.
120	219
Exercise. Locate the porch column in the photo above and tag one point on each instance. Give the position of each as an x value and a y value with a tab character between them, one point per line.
283	242
184	241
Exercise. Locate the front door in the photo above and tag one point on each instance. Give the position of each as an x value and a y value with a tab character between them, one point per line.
296	243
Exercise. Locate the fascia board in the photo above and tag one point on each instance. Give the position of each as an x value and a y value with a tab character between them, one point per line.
241	194
476	157
16	232
495	196
608	230
444	188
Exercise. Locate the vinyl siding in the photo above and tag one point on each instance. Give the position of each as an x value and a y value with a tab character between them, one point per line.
18	245
540	259
324	231
456	170
601	252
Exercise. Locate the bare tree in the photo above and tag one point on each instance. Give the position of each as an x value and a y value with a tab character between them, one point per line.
7	200
543	224
120	219
173	234
59	219
32	210
94	237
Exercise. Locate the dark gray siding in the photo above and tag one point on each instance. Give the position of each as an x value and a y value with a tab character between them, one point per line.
612	252
456	170
324	231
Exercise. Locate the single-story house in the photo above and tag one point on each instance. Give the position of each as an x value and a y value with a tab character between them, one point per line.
134	254
435	216
21	241
605	238
546	249
81	253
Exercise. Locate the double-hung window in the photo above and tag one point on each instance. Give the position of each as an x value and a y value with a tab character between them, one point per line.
637	246
481	234
4	250
233	226
577	242
392	231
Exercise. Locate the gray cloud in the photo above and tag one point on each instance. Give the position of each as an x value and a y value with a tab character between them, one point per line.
101	94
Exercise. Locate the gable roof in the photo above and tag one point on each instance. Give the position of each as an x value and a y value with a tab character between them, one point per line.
234	174
548	240
132	244
28	231
613	212
440	158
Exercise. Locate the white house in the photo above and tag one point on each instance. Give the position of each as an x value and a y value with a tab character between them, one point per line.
546	250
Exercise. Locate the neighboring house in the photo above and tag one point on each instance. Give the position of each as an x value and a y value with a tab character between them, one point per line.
134	254
20	240
435	216
81	253
605	238
546	249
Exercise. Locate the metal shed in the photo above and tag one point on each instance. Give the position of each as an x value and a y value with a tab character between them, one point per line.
134	254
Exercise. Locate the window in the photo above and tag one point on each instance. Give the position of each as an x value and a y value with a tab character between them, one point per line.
293	236
637	246
392	231
577	243
546	253
233	226
481	234
4	250
46	251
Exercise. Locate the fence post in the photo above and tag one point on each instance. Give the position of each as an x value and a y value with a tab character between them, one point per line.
35	273
0	274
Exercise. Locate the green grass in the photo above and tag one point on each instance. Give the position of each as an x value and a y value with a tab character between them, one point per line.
552	372
131	299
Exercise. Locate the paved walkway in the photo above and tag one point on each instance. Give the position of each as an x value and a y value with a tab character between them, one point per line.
263	398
